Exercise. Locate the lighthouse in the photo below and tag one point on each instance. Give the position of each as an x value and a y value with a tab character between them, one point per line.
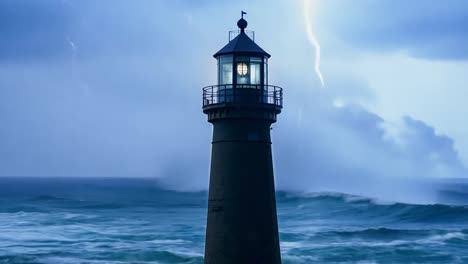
242	226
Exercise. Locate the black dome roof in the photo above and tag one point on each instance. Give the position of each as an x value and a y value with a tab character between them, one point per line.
242	44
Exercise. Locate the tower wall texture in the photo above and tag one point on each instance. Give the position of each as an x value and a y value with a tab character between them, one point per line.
242	222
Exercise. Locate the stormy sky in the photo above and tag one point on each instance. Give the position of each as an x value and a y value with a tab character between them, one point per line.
113	88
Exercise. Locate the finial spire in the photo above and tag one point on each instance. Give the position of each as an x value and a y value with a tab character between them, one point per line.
242	23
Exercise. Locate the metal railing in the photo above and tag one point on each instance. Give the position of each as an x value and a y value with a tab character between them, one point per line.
234	33
243	94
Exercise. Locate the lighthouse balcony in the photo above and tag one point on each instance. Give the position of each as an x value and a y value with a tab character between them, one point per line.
242	94
240	101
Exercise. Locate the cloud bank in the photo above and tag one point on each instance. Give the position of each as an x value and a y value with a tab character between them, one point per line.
349	149
431	30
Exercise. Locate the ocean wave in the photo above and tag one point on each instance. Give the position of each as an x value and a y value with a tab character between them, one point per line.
340	204
448	236
77	203
169	241
163	227
115	251
355	239
154	257
328	196
298	259
389	234
380	233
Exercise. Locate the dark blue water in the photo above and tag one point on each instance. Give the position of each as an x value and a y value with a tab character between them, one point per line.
135	221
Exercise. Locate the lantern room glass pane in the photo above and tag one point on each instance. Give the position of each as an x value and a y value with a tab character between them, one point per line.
255	75
243	73
255	68
248	71
242	70
225	71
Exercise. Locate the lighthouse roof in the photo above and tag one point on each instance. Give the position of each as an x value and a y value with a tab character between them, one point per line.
242	44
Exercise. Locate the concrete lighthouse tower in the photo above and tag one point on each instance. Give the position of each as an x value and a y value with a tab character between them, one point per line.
242	225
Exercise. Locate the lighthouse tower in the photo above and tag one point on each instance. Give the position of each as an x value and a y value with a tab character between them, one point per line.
242	225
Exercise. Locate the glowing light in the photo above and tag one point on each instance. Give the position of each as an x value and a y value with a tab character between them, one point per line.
313	39
242	69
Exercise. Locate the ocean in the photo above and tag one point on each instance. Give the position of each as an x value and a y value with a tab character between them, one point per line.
83	220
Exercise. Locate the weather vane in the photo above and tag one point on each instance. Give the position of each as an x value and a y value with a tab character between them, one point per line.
243	13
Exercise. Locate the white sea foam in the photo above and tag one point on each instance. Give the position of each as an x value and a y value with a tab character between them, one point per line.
186	252
169	241
299	259
287	245
354	199
436	239
444	237
378	201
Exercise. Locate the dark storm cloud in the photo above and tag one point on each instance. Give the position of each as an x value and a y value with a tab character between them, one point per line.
429	29
48	29
127	103
101	110
32	30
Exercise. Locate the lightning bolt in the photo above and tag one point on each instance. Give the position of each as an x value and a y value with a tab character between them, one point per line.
313	39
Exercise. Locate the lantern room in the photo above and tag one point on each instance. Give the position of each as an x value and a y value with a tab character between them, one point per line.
242	63
242	74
